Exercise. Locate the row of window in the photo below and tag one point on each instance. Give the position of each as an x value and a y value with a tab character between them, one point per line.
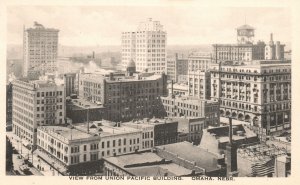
54	93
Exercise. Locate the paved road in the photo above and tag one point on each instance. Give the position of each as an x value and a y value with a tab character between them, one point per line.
26	154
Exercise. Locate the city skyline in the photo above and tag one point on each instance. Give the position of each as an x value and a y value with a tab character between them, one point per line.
88	26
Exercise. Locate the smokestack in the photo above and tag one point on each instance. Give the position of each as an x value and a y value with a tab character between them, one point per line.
231	154
271	39
93	54
230	130
172	90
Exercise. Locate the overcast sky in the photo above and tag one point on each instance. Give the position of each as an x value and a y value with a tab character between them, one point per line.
102	25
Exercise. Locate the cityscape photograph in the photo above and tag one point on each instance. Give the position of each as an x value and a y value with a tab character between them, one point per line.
148	91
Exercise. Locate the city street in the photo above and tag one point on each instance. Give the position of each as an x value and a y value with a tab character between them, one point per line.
38	163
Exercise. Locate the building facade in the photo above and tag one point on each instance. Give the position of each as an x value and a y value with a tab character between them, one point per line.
71	83
176	65
274	51
147	132
244	50
9	104
259	93
40	47
178	89
199	61
125	97
36	103
199	84
146	46
192	107
190	129
79	149
80	110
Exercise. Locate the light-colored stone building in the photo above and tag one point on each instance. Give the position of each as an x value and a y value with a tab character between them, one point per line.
36	103
258	92
146	46
40	47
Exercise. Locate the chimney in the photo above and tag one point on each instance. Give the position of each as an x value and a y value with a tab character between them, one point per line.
93	54
172	89
230	130
271	39
111	76
231	154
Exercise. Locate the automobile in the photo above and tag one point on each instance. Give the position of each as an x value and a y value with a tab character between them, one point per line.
25	169
17	172
15	151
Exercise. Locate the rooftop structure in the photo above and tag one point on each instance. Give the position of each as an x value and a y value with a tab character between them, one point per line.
143	164
215	139
196	158
81	110
258	160
178	89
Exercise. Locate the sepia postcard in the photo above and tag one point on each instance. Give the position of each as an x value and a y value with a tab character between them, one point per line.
149	92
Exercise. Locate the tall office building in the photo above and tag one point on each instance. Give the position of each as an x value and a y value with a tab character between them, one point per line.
146	46
40	50
258	92
36	103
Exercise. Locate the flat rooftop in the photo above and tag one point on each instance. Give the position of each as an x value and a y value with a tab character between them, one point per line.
139	164
106	128
192	153
239	132
121	77
188	99
84	104
66	132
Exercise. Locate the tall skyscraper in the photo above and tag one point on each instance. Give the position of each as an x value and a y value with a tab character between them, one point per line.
40	50
146	46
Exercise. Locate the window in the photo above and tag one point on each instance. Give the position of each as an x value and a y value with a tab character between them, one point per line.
84	157
119	142
84	148
107	144
94	157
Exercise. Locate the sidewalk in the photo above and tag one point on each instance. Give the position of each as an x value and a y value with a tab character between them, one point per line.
26	154
39	165
49	161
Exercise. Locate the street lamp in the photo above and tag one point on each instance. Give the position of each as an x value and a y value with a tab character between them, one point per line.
21	144
53	172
